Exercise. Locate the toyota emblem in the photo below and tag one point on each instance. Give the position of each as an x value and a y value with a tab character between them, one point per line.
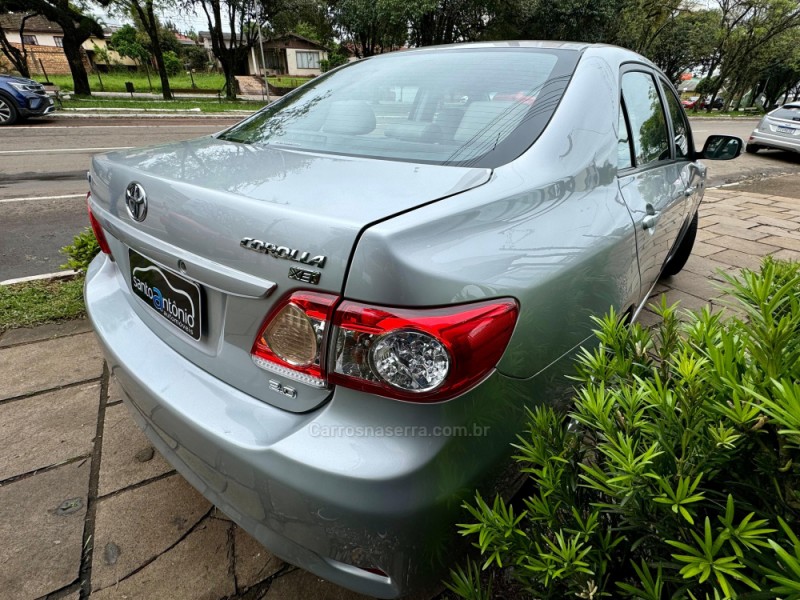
136	201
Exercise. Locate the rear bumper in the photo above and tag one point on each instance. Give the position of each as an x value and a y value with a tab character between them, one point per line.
771	140
359	483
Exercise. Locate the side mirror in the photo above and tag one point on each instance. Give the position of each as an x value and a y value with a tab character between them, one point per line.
722	147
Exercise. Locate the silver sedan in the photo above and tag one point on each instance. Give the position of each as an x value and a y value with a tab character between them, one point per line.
331	317
779	129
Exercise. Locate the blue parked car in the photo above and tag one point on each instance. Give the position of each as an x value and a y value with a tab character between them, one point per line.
21	98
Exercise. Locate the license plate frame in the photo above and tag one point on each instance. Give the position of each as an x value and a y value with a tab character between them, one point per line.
785	129
177	299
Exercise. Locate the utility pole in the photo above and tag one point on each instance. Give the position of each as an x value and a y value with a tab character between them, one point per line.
263	64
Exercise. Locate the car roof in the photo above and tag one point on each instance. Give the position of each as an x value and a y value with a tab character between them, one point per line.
505	44
613	55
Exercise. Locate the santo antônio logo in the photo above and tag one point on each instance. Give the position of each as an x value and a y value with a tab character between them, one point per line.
178	309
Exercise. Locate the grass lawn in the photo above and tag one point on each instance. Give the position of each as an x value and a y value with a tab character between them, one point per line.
288	82
29	304
211	105
724	115
115	81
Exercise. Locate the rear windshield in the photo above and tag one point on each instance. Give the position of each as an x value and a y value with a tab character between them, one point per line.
465	107
791	113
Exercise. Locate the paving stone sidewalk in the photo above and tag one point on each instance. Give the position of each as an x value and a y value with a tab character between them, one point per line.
89	510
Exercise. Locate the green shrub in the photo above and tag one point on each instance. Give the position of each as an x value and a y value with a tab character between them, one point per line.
196	56
675	475
172	63
335	58
81	251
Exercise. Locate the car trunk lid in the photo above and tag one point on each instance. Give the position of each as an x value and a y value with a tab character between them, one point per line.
247	225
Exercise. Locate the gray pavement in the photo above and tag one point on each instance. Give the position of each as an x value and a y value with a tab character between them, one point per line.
43	180
764	164
88	510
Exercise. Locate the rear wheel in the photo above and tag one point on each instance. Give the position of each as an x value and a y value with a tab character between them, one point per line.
752	148
8	112
677	261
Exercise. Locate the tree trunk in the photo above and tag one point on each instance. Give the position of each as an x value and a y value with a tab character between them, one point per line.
227	58
17	58
72	50
230	79
166	92
221	52
150	22
147	71
158	53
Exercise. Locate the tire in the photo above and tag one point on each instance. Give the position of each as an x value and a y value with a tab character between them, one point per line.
752	148
8	112
677	261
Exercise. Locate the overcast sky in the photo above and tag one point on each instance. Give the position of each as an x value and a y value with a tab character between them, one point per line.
184	20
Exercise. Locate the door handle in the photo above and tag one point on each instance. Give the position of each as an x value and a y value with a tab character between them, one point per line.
649	222
689	191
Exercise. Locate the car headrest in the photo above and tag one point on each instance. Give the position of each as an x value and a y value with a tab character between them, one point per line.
413	132
481	119
349	117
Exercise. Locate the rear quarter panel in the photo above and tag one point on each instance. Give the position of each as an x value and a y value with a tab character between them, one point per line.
550	229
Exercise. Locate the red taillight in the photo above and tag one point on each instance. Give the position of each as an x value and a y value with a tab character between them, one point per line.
98	231
419	355
293	339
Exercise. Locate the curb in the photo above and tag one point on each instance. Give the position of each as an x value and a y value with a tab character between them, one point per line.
45	277
123	110
732	118
149	115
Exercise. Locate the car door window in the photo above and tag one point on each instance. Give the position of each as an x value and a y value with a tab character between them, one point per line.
680	125
646	118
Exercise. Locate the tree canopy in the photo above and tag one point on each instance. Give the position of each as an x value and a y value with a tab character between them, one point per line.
77	27
743	48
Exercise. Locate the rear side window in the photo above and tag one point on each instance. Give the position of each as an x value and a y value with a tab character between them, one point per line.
680	125
476	107
790	113
648	125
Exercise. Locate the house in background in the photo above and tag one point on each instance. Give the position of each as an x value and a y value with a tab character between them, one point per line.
184	40
204	40
43	41
98	62
687	87
291	54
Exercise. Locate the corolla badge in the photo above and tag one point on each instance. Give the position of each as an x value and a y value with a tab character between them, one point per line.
282	252
136	201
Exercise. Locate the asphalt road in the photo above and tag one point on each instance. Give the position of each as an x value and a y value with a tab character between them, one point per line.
766	163
43	176
43	180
